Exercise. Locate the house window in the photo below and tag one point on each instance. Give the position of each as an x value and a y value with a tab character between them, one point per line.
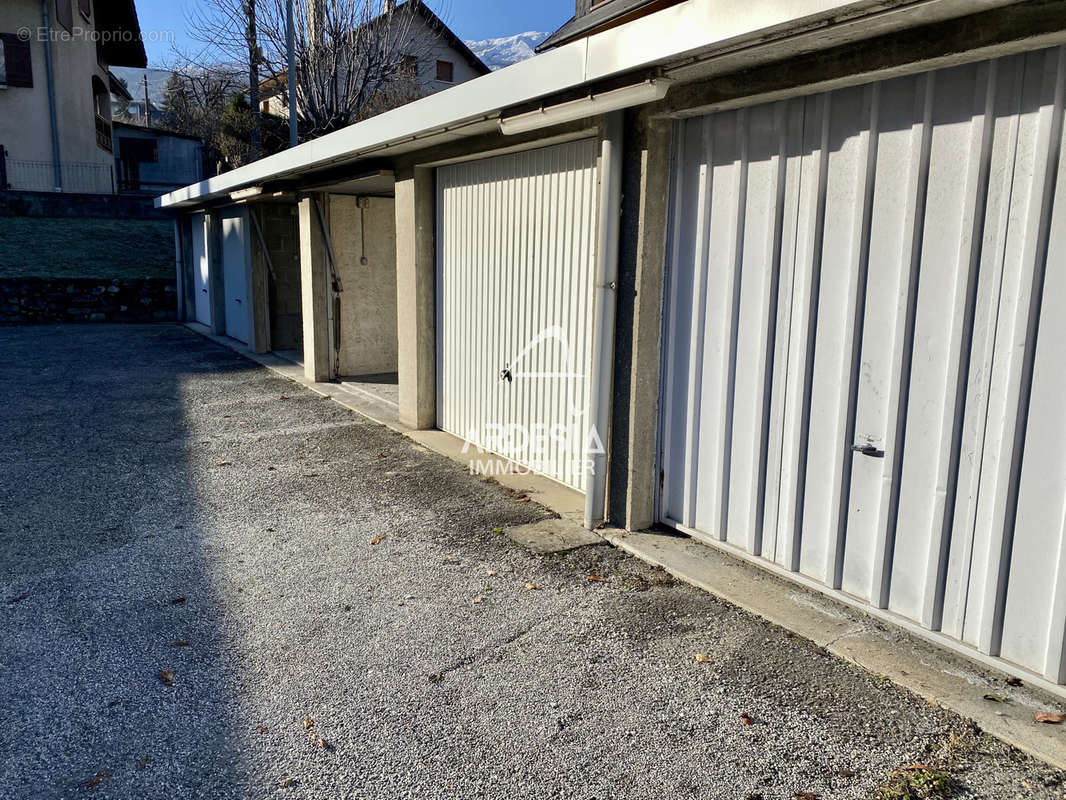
86	9
64	14
16	68
409	66
445	71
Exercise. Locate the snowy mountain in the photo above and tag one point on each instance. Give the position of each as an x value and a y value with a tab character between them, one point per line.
507	50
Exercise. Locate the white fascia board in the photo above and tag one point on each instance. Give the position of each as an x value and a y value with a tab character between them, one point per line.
670	34
473	100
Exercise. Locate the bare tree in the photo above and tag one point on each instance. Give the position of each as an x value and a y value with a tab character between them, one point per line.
199	101
354	58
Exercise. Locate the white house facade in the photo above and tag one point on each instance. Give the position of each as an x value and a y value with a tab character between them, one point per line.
55	90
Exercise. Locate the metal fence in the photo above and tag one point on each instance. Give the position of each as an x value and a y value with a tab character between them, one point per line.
39	176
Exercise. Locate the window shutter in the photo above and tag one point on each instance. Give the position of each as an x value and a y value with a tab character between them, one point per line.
64	15
17	61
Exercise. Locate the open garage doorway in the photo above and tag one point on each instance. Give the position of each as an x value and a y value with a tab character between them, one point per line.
277	243
363	232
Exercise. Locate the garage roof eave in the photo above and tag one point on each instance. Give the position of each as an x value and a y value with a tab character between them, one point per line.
690	29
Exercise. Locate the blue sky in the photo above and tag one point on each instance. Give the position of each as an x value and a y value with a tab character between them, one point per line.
471	19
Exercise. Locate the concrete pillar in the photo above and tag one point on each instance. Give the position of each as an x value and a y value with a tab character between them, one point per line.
634	476
314	291
216	273
416	331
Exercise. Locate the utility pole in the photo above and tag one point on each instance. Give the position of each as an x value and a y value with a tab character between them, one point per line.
290	75
252	38
147	103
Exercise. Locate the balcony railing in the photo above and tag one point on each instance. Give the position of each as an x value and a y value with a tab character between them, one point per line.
39	176
103	133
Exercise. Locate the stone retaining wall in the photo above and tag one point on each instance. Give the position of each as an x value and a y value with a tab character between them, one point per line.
24	300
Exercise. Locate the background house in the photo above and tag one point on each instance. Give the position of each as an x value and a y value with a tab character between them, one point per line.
55	90
151	161
436	59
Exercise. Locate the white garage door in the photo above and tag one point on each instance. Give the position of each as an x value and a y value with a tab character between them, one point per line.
201	275
864	357
236	272
515	264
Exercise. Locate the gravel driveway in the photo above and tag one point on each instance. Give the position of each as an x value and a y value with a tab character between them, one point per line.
214	584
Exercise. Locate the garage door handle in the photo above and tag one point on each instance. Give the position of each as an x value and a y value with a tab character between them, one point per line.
868	450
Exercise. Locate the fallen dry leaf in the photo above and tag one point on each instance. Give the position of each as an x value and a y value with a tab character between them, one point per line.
1014	681
223	463
806	796
378	539
308	723
271	469
593	578
182	643
178	527
522	498
450	560
703	658
261	729
490	572
1049	717
846	773
436	677
285	783
746	719
322	743
532	587
995	698
97	779
283	397
167	676
177	601
476	600
497	530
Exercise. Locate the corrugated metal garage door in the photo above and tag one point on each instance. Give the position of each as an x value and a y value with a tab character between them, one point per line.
516	240
201	273
866	342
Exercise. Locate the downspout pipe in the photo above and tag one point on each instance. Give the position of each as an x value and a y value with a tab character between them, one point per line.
46	25
605	303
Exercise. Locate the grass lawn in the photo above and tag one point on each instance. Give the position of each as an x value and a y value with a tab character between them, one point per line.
32	247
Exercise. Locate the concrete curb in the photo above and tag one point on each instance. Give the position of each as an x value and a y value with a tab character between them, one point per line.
937	675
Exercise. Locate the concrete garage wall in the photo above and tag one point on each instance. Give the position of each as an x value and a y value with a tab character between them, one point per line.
368	299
